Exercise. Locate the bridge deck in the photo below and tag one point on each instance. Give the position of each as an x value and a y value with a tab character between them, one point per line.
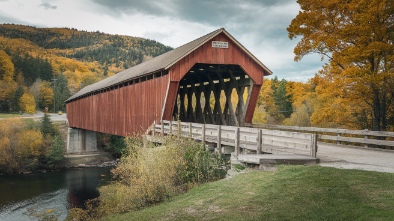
271	147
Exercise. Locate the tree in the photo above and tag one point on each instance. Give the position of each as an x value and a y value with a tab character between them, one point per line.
7	83
357	37
266	100
45	98
34	89
55	154
61	93
47	127
282	99
27	103
6	67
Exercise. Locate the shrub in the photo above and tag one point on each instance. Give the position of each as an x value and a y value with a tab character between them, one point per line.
149	175
111	143
55	153
47	126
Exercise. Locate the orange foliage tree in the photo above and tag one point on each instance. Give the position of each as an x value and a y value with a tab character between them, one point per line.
356	36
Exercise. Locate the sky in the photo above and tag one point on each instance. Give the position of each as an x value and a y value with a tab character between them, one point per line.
259	25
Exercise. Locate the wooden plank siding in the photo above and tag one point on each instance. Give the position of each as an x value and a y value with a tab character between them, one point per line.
124	111
208	55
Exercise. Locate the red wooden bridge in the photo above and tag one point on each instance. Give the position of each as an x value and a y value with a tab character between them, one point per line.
195	83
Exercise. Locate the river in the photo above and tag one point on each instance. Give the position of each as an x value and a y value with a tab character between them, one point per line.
30	196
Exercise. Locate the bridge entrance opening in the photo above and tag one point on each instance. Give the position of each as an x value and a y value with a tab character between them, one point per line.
213	94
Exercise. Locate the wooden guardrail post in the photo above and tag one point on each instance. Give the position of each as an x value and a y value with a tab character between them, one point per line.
170	128
162	128
259	140
366	139
154	128
237	148
203	133
219	139
179	128
314	145
338	135
190	131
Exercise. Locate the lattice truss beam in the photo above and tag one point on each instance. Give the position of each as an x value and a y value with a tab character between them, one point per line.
213	94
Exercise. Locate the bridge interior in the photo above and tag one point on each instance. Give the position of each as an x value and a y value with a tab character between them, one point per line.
213	94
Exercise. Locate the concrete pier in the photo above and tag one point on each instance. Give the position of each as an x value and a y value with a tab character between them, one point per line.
81	141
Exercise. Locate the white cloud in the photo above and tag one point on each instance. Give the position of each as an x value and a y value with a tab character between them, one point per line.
259	25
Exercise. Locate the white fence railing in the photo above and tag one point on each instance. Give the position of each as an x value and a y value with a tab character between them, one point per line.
340	136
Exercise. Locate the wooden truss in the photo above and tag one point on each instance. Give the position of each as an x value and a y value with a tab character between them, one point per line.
200	98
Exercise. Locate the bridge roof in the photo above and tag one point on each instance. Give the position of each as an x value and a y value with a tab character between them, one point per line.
160	63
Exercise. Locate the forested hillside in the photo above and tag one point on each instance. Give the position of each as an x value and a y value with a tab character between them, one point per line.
36	56
346	94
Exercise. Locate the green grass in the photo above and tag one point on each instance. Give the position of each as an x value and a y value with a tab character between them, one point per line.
291	193
3	115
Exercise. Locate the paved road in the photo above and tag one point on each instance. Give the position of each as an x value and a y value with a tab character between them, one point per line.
347	157
54	117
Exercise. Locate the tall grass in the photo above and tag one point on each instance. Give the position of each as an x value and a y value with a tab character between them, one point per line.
150	175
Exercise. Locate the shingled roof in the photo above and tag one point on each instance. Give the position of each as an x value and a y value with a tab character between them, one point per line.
159	63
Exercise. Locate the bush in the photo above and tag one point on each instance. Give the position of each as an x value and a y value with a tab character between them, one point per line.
28	146
149	175
111	143
47	126
55	153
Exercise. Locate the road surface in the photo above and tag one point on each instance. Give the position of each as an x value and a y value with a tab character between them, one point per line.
348	157
52	116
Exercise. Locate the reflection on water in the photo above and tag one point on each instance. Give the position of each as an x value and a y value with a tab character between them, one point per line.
27	197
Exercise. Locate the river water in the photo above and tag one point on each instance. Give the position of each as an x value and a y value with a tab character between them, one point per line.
30	196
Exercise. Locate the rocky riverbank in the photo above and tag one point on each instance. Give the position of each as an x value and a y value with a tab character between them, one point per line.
96	159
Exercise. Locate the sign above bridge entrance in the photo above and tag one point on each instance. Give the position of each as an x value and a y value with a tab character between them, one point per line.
219	44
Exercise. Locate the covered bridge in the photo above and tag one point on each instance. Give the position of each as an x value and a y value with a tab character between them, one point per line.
204	81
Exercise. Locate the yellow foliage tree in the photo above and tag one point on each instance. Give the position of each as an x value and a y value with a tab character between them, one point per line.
27	103
6	67
46	94
30	143
260	115
7	84
266	101
303	100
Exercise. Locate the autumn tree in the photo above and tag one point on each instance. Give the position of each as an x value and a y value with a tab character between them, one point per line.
6	67
27	103
303	100
266	101
45	98
7	84
357	38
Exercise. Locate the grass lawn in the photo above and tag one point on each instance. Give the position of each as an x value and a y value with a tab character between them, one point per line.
291	193
3	115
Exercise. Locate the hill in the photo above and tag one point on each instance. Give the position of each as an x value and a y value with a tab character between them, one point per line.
80	57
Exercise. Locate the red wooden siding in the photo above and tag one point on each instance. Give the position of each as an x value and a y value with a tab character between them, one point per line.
206	54
124	111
